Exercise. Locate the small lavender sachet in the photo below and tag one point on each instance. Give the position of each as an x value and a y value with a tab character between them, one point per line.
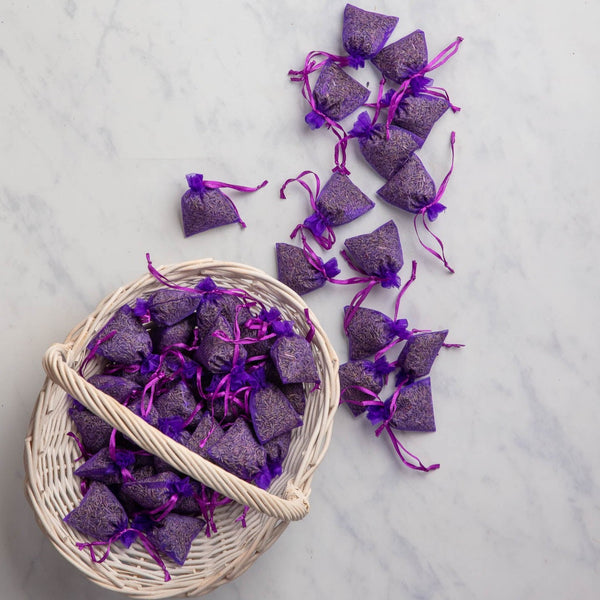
301	272
358	378
411	188
419	353
419	113
123	339
370	331
401	59
414	407
99	514
385	151
204	206
174	535
339	202
365	33
293	358
377	254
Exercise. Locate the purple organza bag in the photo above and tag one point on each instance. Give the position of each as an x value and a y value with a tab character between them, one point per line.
178	401
377	254
360	380
168	306
402	58
337	203
205	435
174	535
93	431
271	413
420	113
414	407
370	331
217	354
336	93
204	206
384	149
121	389
365	33
123	339
411	188
179	334
99	514
238	451
301	272
293	358
418	354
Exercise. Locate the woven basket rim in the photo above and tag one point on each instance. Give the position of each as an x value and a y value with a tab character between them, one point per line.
313	449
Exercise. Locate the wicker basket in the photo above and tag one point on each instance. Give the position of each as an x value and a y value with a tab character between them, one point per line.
53	490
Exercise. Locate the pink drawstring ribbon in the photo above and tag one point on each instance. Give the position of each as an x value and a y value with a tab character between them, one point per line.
436	62
432	210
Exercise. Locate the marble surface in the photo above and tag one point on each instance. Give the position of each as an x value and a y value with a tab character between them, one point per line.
105	106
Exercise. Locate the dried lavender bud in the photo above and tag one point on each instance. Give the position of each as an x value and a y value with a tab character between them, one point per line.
365	33
414	408
385	155
340	201
119	388
401	59
294	270
271	413
93	431
130	341
296	396
378	253
169	306
178	401
370	331
419	353
203	210
218	355
205	435
100	467
360	374
336	93
151	492
238	451
180	333
99	514
411	188
174	535
420	113
294	360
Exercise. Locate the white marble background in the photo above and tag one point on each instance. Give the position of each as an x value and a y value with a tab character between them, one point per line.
103	109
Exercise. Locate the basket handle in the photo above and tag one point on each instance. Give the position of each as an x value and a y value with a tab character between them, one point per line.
293	507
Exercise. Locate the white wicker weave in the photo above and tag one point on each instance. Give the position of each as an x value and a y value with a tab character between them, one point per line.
53	490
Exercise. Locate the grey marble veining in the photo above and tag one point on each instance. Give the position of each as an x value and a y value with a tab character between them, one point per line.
103	110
